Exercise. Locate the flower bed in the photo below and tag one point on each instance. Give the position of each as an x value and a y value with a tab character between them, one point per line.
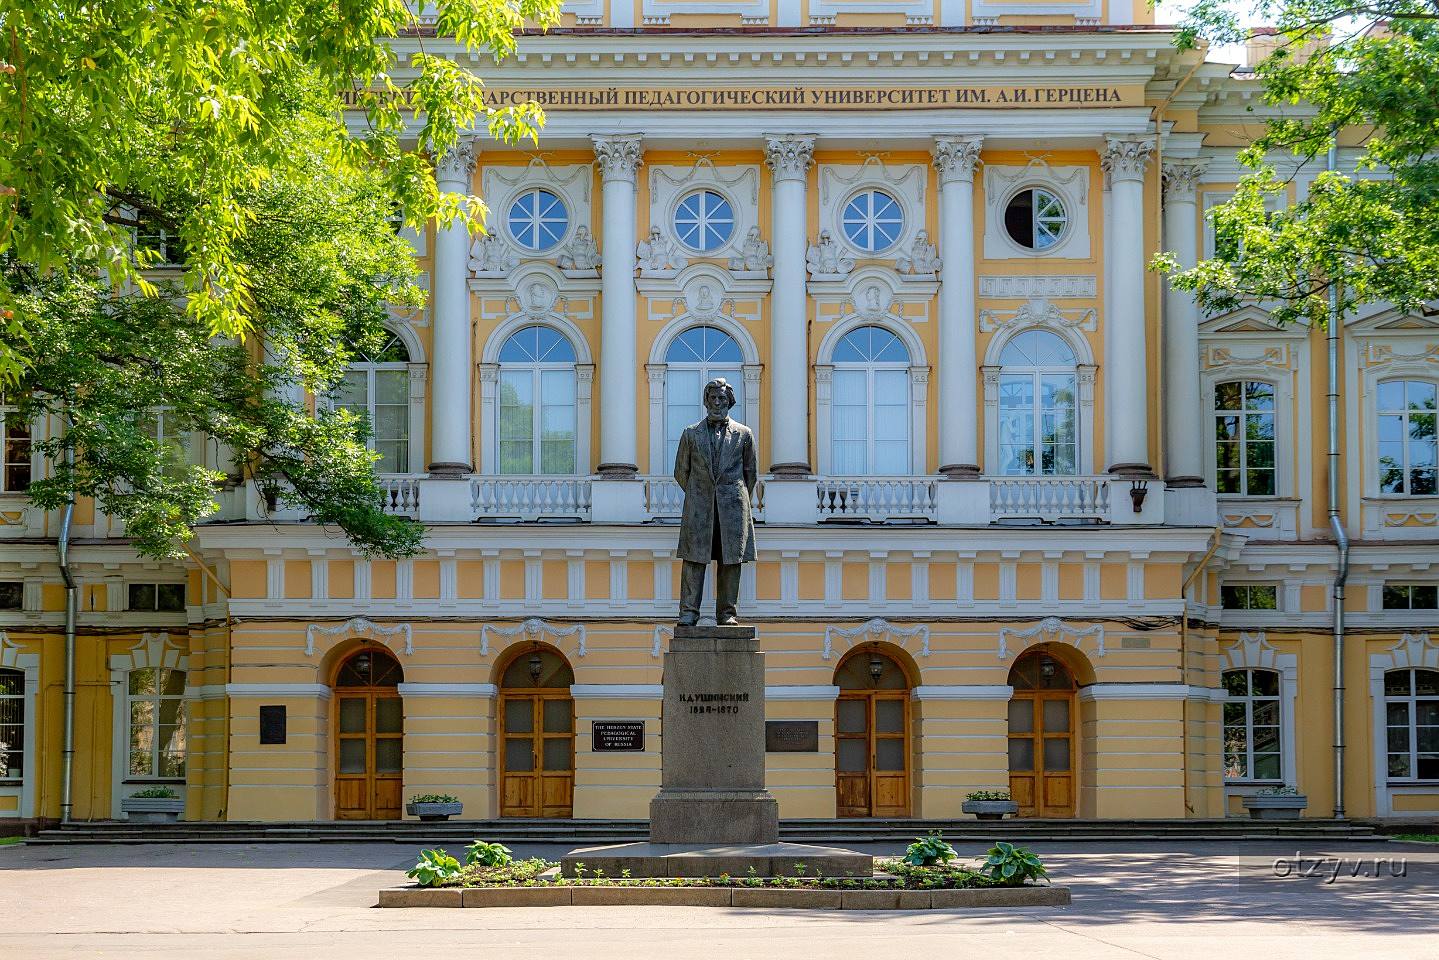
891	874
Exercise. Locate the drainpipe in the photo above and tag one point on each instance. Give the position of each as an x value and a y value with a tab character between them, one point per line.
1336	525
72	590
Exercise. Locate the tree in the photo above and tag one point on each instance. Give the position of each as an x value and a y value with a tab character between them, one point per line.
1368	69
173	108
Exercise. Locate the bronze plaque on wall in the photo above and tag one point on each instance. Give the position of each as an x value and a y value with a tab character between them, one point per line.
791	736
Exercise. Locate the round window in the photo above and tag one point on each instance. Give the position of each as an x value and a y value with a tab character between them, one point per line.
704	221
873	221
538	219
1035	219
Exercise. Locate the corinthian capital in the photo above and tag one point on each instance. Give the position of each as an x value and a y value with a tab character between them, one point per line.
618	156
956	157
1126	158
790	156
456	165
1181	177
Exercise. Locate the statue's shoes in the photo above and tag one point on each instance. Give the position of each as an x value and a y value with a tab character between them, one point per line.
686	621
729	622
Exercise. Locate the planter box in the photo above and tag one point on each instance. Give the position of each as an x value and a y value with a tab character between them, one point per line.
431	812
761	897
990	809
152	809
1275	807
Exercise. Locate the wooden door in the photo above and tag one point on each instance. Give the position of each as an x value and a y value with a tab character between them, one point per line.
369	751
1041	752
537	754
872	753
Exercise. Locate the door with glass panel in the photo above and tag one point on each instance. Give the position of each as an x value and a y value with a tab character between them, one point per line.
871	738
369	738
537	736
1041	736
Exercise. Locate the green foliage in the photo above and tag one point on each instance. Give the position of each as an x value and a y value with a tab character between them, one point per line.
1011	866
988	795
1372	237
895	875
488	854
155	793
434	798
117	114
1279	791
929	850
435	868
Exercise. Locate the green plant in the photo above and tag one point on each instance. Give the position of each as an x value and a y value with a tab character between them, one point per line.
156	793
488	854
988	795
1011	866
1280	791
435	868
434	798
929	850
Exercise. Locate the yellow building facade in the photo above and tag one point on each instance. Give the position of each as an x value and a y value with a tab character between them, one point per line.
1028	520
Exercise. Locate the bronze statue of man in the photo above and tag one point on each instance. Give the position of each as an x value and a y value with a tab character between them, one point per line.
715	466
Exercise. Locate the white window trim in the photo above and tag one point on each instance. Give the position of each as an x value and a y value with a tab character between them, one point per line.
1373	376
1071	184
24	789
153	650
570	182
1416	651
490	383
419	374
1084	371
918	388
1254	652
841	183
1213	198
658	373
738	184
1283	429
5	409
1036	375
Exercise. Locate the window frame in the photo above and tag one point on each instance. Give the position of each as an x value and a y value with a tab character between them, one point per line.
157	699
155	596
1244	414
536	370
536	222
1378	413
841	218
1034	220
1037	411
1249	699
1409	587
26	722
703	222
870	369
1411	701
1249	588
6	464
707	370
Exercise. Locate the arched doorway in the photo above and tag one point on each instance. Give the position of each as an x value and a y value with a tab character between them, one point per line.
1041	735
871	736
369	737
537	735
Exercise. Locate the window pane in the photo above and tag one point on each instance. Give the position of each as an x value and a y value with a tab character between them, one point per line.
389	715
558	753
1021	754
1236	682
1266	683
519	716
142	596
352	755
1399	765
1056	754
1266	766
389	755
889	754
1426	683
1398	739
352	715
852	755
1236	766
1021	716
1056	716
1397	683
1266	739
558	716
1266	713
170	596
852	716
889	716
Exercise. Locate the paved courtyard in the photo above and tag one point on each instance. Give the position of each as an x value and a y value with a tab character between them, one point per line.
1200	900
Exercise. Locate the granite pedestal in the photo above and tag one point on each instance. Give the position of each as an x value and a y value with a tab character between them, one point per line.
713	814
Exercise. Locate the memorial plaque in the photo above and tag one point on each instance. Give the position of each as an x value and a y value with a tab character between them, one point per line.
272	724
791	736
616	736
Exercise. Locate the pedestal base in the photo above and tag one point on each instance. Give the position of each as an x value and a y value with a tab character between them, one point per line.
714	816
698	860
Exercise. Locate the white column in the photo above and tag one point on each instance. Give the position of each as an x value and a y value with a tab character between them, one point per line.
619	161
955	159
789	158
1125	160
450	416
1183	421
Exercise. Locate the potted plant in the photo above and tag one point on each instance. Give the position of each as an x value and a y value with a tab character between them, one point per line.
153	805
1276	803
432	807
989	804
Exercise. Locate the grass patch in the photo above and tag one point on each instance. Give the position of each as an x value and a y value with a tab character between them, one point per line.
11	841
1418	837
903	876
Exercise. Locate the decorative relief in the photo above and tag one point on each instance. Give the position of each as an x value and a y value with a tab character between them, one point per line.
659	255
921	260
876	631
956	157
1039	312
873	172
1242	520
580	255
1411	518
618	157
789	157
873	302
491	257
1252	650
701	301
1126	158
1278	356
1051	630
1181	178
358	627
739	185
538	299
1032	287
533	629
1379	354
824	258
1069	183
457	164
662	633
754	255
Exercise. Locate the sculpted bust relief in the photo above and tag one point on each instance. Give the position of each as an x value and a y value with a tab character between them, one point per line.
580	253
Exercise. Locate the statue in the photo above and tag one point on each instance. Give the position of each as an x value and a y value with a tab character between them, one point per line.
659	253
580	253
921	257
715	466
490	255
823	257
753	254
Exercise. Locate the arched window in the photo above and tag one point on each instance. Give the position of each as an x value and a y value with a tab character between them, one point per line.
1253	746
12	724
537	420
1244	438
157	723
693	359
377	387
1038	409
1411	709
1408	457
869	406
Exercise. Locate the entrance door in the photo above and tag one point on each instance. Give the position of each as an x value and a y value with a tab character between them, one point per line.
369	738
537	736
1041	736
871	738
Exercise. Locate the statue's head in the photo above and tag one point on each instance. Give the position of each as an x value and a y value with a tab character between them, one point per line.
718	398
